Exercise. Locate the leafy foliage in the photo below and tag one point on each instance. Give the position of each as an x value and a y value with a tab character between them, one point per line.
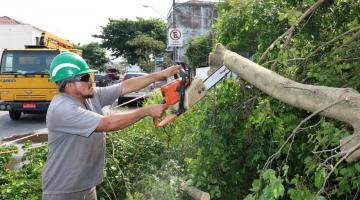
144	47
94	55
25	182
197	50
314	55
134	40
224	144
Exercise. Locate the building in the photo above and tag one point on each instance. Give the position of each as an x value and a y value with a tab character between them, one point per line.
193	18
133	68
15	34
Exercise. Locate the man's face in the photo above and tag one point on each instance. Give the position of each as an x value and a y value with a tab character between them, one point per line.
83	86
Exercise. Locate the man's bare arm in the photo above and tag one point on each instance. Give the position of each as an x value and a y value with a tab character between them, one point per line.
122	120
137	83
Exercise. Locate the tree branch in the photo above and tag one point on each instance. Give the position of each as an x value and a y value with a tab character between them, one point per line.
330	150
106	193
331	41
307	97
351	79
194	192
333	169
342	47
111	187
290	31
289	60
356	195
296	130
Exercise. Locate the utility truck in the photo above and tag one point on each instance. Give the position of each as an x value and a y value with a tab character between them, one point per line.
25	85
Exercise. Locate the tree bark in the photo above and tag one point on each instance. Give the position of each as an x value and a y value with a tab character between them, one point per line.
345	102
195	193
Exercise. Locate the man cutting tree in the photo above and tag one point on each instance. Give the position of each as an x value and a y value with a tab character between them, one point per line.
76	126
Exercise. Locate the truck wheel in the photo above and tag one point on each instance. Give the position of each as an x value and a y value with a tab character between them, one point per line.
14	115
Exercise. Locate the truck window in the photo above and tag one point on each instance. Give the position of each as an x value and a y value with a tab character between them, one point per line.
27	62
9	62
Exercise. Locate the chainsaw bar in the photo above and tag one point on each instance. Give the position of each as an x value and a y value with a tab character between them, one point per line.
214	78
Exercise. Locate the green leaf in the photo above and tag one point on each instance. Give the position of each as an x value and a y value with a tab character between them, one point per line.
269	174
357	166
250	197
255	185
278	189
320	197
319	178
282	16
285	169
293	16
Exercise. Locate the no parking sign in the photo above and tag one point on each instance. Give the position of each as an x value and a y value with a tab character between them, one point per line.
175	37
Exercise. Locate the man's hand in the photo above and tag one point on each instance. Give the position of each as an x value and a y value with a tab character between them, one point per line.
171	71
156	110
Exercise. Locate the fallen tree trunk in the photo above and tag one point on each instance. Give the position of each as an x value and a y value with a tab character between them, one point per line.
195	193
338	103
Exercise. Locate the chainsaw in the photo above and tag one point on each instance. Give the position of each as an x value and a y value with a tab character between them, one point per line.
182	94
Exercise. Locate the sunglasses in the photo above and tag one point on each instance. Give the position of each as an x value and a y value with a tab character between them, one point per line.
82	78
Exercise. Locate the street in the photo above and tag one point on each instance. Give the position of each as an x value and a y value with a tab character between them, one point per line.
28	123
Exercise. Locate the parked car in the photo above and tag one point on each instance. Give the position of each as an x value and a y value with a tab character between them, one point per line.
113	74
102	80
136	94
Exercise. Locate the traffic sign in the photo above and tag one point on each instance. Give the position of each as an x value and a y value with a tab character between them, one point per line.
159	59
175	37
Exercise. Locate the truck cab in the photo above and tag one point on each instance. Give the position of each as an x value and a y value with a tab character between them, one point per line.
24	81
25	85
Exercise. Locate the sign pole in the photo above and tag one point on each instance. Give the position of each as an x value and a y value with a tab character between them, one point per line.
155	66
174	25
175	38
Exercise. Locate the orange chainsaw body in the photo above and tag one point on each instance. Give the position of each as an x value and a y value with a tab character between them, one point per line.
170	92
173	93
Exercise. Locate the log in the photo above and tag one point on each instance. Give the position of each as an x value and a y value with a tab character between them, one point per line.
194	93
338	103
195	193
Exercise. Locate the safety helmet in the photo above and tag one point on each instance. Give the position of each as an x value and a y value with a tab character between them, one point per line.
67	65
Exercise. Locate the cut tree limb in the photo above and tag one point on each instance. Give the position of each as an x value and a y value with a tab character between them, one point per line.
194	93
347	144
307	97
195	193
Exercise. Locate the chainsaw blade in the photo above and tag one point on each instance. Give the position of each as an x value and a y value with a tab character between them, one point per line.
216	77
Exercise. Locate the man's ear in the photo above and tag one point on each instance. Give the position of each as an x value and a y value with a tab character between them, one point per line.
69	85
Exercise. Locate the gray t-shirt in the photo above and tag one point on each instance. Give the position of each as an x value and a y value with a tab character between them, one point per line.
75	159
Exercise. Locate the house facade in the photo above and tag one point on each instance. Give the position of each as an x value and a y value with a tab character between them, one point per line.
15	34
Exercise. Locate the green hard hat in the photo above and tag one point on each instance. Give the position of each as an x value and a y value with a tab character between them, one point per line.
67	65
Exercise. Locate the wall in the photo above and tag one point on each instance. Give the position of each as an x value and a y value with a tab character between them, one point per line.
17	36
194	18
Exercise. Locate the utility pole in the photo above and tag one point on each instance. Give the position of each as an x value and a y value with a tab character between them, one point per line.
174	26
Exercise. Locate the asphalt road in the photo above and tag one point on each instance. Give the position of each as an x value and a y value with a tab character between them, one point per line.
26	124
29	123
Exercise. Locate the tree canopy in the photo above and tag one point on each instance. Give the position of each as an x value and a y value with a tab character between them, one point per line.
135	40
197	50
94	55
